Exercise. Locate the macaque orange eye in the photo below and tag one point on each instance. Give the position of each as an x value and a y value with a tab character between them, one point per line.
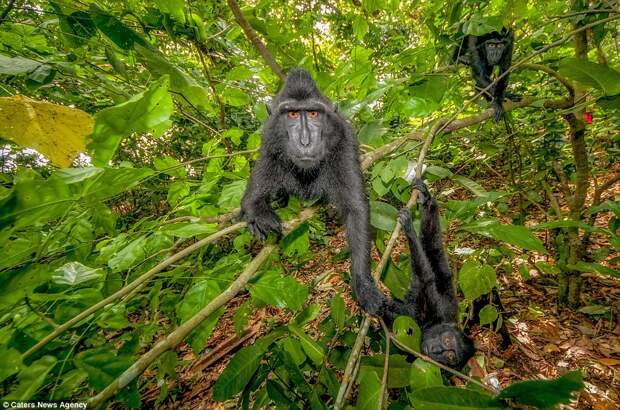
313	114
293	115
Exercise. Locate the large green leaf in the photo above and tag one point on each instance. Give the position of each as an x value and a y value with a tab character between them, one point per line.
31	379
241	369
383	215
452	398
315	351
424	374
11	362
369	392
398	370
35	200
17	65
196	298
148	111
517	235
281	291
407	332
75	273
476	280
102	364
544	394
592	74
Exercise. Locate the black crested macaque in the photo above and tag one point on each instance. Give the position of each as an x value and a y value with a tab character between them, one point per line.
482	53
431	300
309	150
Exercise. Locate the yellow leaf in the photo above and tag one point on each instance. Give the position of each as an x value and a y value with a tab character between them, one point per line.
56	131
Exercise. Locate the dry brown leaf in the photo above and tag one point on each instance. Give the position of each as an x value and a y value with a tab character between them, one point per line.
608	361
56	131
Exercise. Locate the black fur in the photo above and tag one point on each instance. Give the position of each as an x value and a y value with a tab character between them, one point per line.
474	51
431	300
335	174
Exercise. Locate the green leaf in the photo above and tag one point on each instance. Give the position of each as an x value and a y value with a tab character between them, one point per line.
473	186
369	392
31	379
35	200
129	255
188	230
398	370
11	362
439	171
113	181
277	290
180	82
293	348
314	351
74	273
297	242
383	215
545	394
196	298
407	332
595	75
170	166
238	372
396	280
70	383
488	314
516	235
476	280
452	398
235	97
424	374
337	311
547	268
360	27
588	267
239	73
231	195
115	30
173	7
148	111
17	65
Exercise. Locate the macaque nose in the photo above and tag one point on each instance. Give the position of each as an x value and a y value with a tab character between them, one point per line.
304	138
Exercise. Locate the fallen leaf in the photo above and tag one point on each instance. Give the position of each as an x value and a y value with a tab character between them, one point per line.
551	348
56	131
608	361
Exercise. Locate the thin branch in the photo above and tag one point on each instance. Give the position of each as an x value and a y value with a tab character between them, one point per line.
200	50
386	366
253	37
604	187
125	290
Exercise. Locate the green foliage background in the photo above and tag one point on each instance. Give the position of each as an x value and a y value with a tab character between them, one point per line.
179	93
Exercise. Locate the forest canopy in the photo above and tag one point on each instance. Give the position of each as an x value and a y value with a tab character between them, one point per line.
128	131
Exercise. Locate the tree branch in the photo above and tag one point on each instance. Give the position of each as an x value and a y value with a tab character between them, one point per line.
551	72
253	37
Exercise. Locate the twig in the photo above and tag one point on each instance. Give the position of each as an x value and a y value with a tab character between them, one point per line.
386	366
125	290
199	49
551	72
253	37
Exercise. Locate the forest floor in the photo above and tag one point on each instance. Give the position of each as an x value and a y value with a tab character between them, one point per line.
546	341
